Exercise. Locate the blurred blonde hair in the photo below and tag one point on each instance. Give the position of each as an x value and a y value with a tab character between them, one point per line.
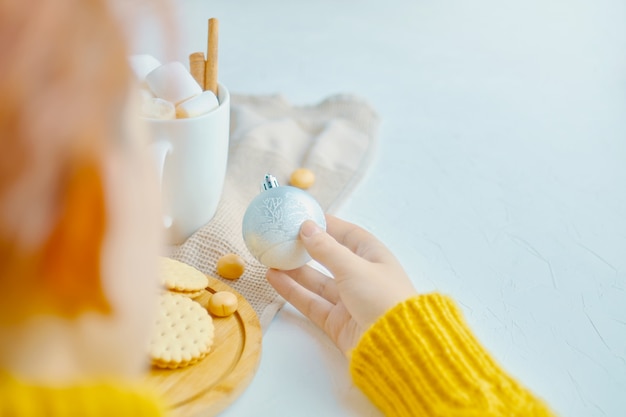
63	81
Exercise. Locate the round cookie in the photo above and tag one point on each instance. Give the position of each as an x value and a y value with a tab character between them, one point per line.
178	276
189	294
183	333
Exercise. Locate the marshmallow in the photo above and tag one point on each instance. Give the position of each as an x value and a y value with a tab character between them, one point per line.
145	93
172	82
142	65
157	108
197	105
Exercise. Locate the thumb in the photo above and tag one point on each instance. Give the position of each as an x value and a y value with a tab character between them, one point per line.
322	247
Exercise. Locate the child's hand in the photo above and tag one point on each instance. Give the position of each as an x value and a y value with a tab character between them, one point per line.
368	281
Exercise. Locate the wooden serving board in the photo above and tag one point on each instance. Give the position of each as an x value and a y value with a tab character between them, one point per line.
209	386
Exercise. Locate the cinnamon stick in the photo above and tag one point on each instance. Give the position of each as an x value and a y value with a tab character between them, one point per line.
197	65
210	75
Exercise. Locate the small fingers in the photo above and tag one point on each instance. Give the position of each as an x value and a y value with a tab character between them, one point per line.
322	247
313	306
316	282
358	240
345	249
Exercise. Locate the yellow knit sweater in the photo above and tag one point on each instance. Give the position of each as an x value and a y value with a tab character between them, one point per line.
98	399
421	359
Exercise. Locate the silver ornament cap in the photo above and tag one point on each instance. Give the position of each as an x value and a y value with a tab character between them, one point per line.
272	221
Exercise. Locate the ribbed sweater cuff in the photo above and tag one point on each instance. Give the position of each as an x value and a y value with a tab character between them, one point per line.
421	359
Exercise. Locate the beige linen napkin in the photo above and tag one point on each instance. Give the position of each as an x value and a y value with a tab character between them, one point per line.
335	139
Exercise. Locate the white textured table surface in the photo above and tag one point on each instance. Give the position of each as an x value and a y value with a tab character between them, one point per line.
500	177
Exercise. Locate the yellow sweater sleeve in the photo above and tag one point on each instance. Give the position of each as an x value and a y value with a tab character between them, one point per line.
421	359
18	398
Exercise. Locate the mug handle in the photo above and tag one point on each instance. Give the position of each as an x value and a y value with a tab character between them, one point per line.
160	150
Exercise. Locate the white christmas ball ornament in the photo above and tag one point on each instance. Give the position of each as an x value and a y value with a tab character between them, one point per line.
271	224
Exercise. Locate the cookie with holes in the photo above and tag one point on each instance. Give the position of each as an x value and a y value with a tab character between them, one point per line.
181	278
183	332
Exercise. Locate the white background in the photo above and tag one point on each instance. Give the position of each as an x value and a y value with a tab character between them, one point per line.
499	179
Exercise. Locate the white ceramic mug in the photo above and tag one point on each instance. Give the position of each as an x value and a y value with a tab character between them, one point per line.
191	155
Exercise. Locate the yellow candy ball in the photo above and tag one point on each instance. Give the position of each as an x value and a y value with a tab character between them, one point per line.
231	266
302	178
223	304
